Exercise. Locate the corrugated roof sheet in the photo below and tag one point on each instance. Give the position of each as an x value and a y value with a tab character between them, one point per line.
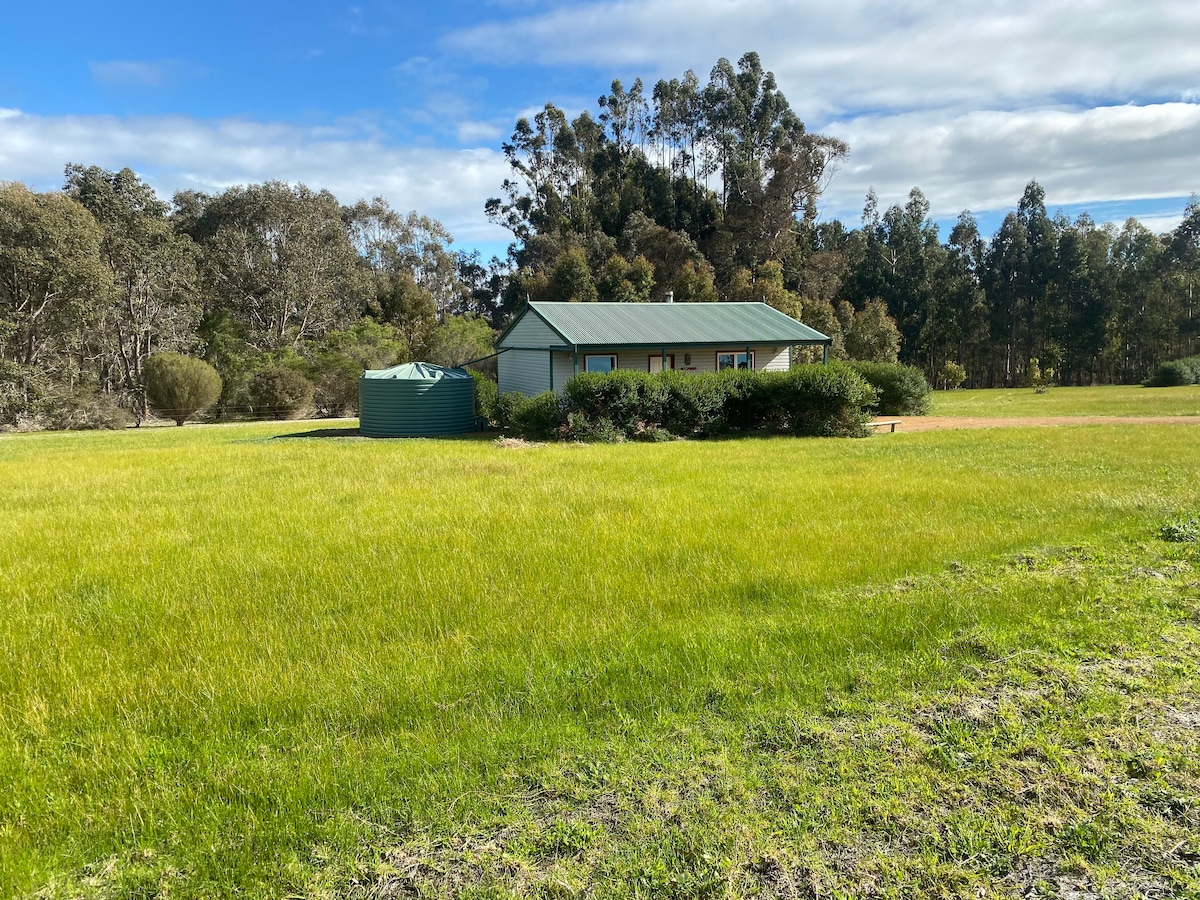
416	371
653	324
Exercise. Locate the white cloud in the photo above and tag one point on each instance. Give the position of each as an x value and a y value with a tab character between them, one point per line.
877	54
983	160
477	132
178	153
128	72
158	73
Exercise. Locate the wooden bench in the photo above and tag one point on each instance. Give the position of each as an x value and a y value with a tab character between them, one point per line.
891	423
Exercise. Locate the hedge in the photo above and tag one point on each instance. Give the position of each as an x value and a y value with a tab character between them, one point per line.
903	390
1176	372
807	400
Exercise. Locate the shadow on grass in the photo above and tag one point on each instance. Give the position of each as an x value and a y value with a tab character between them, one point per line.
354	433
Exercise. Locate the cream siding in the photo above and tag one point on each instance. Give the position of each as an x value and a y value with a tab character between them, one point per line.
564	368
531	331
771	359
524	371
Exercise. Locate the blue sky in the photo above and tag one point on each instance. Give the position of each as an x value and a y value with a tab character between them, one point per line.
1099	100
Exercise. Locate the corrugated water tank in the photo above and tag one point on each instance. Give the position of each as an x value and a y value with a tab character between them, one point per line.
415	400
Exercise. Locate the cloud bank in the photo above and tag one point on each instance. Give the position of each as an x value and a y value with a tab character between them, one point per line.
184	153
857	55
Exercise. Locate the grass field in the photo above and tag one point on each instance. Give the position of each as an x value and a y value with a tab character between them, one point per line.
1107	400
241	663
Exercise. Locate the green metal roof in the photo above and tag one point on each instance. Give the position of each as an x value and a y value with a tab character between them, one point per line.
657	324
416	371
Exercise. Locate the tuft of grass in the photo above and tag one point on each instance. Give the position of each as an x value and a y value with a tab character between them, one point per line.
236	661
1103	400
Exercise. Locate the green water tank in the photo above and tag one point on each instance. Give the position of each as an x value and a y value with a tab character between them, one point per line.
415	400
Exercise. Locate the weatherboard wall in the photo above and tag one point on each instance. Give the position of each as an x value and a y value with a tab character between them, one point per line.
524	371
766	359
530	331
529	371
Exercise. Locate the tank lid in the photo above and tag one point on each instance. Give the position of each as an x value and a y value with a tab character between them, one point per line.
417	371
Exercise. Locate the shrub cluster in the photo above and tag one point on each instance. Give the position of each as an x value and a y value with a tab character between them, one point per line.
487	396
280	392
903	390
622	405
1176	372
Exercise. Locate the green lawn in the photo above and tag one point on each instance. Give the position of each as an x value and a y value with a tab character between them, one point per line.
1107	400
236	662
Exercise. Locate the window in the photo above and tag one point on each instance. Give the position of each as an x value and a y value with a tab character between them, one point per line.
733	359
656	362
600	362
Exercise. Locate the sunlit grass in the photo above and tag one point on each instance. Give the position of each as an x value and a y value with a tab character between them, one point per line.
224	647
1105	400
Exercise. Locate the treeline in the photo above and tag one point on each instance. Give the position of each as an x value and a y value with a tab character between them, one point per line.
271	284
707	191
710	192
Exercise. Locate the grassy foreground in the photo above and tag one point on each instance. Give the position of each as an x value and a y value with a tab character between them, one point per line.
950	663
1104	400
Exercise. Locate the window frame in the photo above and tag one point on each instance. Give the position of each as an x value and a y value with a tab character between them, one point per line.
735	354
588	357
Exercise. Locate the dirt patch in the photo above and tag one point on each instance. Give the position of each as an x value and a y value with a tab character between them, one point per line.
947	423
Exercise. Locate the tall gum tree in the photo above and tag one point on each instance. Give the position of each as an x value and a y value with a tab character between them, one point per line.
155	302
53	290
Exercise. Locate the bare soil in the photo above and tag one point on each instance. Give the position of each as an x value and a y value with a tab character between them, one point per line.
945	423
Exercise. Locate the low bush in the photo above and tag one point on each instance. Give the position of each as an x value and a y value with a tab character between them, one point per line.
280	392
903	390
1176	373
487	397
537	418
599	431
178	387
82	409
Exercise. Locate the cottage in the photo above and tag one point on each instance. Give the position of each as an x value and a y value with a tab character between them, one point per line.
547	343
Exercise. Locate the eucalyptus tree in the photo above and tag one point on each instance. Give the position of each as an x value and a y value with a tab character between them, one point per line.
1144	314
155	302
391	243
771	168
1183	277
962	292
1082	293
54	288
279	260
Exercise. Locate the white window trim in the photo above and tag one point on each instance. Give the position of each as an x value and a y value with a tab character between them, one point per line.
734	354
591	356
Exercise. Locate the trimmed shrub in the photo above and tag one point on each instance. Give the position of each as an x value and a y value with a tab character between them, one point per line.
280	392
537	418
178	387
630	401
1176	373
487	396
825	401
903	390
695	405
808	400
